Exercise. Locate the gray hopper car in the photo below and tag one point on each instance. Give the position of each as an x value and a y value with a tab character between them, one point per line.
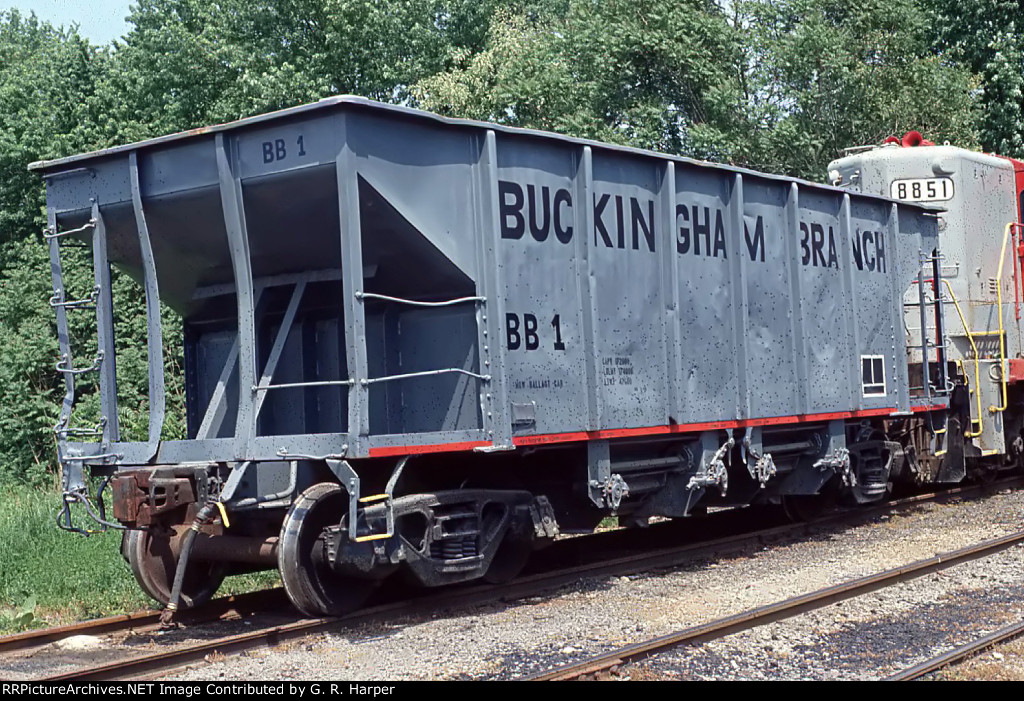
425	344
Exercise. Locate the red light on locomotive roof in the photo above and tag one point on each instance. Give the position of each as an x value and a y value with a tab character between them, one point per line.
910	139
914	138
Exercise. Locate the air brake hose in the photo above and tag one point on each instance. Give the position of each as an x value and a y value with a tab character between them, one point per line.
167	615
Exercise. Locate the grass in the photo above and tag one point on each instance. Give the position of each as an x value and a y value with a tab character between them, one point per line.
49	576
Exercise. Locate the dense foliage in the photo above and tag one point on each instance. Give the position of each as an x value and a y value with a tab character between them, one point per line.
780	85
987	37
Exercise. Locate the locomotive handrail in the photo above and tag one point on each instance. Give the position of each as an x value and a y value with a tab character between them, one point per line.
1002	336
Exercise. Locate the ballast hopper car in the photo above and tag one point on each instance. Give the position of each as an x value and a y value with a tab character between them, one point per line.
424	344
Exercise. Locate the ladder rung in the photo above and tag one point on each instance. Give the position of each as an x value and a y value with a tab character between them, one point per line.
84	458
61	367
78	431
96	430
57	300
76	304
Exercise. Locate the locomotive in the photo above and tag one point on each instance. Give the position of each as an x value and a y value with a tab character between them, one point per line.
425	346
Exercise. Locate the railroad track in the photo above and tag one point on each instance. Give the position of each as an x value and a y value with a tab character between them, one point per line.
224	608
787	608
529	585
959	654
446	598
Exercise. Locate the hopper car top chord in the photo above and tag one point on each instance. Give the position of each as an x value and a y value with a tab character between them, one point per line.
428	345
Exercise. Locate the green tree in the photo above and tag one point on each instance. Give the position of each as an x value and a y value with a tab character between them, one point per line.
778	85
29	394
51	106
188	63
641	72
47	81
46	86
988	37
821	75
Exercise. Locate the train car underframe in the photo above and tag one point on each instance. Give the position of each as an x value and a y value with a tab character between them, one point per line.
452	522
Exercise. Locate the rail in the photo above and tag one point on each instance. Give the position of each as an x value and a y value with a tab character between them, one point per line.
959	654
787	608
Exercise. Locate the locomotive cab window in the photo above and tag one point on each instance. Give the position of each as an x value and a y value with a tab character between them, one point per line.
873	375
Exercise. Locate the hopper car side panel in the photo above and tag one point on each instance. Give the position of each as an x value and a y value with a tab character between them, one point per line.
694	312
630	290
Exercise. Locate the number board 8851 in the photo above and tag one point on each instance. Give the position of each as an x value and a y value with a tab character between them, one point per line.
922	189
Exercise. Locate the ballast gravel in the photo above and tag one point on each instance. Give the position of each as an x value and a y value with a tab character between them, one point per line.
868	637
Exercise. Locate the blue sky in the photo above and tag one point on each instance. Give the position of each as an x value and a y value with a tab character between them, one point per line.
99	20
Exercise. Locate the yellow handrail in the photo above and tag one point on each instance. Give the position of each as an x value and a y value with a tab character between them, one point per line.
1002	335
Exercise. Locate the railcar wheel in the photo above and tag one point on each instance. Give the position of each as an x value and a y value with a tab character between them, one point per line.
509	560
153	563
310	583
807	507
803	507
